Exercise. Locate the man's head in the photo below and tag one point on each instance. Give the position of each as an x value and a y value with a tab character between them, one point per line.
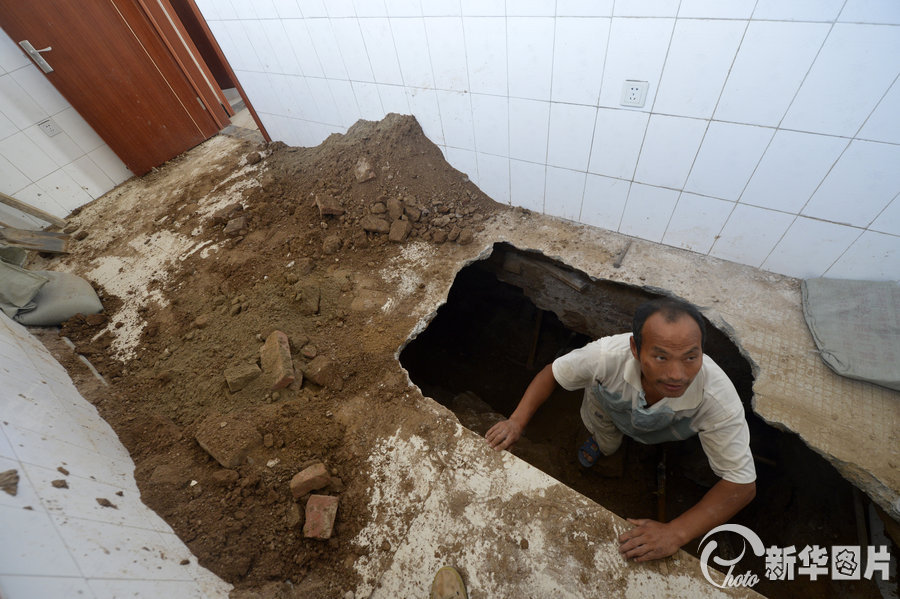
668	339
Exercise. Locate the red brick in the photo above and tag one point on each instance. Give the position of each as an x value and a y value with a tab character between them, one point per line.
321	511
313	478
275	356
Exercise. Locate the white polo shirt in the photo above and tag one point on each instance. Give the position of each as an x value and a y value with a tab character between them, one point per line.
710	406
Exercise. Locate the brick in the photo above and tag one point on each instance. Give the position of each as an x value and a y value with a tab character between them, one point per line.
311	479
275	356
321	511
241	375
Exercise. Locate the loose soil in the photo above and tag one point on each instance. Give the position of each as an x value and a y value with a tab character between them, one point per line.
288	267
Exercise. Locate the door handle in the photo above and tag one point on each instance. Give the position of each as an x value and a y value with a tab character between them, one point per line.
35	55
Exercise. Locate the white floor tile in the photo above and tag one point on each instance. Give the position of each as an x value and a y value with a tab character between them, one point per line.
30	587
112	551
32	545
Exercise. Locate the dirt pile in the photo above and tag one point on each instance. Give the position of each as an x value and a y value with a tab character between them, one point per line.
297	240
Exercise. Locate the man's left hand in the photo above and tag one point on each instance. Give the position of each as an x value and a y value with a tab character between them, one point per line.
648	540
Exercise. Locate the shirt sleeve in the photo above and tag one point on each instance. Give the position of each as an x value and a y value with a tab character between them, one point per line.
578	368
726	444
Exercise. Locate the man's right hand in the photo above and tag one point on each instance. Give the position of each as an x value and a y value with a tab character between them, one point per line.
503	434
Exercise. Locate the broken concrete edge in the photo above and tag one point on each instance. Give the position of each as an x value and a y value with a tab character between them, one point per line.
414	528
883	496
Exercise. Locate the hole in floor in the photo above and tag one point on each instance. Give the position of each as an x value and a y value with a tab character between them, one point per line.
509	315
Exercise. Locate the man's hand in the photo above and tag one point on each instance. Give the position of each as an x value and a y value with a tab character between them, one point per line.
649	540
503	434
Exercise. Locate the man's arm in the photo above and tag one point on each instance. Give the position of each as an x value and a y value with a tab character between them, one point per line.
503	434
650	539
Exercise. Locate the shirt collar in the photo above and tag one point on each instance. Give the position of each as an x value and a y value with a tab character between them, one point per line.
689	400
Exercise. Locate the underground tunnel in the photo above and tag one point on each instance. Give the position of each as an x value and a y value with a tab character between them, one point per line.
510	314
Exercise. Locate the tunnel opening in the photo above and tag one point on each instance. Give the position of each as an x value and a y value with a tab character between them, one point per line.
509	315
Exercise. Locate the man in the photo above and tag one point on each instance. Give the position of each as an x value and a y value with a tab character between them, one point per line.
654	385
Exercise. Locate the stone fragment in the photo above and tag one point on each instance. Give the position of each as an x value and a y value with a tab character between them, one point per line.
378	208
332	244
312	478
309	297
373	224
329	205
275	357
309	351
268	440
413	213
439	236
395	208
400	231
465	237
253	157
201	321
104	502
241	375
453	234
228	439
235	226
321	510
60	484
363	170
71	228
440	221
323	372
81	235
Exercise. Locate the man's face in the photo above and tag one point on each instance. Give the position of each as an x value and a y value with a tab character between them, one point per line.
670	356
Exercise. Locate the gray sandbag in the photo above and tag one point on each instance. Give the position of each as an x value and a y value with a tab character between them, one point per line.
62	297
18	287
856	326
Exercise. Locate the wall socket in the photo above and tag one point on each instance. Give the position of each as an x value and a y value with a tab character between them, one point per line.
634	93
50	127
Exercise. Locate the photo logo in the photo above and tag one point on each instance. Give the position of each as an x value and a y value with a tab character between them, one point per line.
747	579
843	562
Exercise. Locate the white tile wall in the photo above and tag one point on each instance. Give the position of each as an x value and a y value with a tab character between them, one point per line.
696	221
791	170
860	185
693	77
65	544
856	66
55	174
762	96
728	155
757	112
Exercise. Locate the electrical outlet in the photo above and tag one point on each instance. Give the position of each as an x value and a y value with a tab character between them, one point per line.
634	93
50	127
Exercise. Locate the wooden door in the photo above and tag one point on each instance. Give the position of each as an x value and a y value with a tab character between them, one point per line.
112	64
